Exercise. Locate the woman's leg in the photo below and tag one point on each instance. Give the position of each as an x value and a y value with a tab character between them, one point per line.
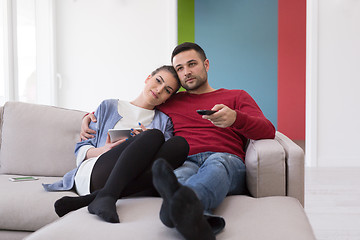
135	158
68	204
105	164
103	168
175	150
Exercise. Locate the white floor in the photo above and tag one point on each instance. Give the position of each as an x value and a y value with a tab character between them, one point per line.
332	202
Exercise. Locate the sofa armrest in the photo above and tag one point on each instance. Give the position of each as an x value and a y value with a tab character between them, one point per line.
265	168
295	167
275	167
1	124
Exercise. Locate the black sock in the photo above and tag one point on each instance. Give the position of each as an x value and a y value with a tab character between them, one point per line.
166	184
68	204
217	223
105	207
186	212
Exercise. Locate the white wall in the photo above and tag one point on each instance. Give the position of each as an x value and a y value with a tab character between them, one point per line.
337	78
107	48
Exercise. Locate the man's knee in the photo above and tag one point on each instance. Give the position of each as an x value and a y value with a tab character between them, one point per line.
187	170
227	162
217	159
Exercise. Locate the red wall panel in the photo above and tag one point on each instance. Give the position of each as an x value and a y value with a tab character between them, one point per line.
292	68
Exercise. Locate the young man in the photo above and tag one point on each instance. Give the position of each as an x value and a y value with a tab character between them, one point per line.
215	166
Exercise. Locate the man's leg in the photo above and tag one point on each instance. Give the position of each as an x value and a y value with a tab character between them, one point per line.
188	169
221	174
180	204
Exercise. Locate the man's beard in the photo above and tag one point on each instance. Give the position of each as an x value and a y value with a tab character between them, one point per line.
199	82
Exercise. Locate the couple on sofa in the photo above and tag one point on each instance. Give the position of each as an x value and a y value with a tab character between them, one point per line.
206	151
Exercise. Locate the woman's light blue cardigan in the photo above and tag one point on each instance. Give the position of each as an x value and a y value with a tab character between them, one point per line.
107	116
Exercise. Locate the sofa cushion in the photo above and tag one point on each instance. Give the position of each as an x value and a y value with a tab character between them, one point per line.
13	235
270	218
42	144
25	206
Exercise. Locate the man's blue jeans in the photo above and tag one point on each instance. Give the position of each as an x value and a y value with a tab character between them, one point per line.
212	176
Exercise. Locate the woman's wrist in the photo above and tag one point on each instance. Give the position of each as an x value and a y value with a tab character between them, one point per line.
95	152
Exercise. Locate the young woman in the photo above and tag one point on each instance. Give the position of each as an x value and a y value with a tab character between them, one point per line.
109	170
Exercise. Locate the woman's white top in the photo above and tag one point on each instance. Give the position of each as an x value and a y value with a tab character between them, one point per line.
131	116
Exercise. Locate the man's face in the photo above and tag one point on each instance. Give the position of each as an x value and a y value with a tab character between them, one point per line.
191	70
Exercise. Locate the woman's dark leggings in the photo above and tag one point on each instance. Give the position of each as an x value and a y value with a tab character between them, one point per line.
126	169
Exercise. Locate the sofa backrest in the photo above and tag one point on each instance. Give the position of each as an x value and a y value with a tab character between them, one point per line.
38	139
1	117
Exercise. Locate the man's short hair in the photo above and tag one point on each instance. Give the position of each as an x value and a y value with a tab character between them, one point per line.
188	46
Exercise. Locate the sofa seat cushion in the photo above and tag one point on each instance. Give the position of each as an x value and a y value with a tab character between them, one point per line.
26	206
271	218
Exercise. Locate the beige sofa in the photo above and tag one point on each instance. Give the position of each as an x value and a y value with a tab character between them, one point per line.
38	140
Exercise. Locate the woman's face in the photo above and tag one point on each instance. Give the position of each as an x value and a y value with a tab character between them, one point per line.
160	87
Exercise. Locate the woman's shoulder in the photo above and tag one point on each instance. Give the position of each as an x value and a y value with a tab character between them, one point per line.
161	121
108	105
109	102
107	108
160	114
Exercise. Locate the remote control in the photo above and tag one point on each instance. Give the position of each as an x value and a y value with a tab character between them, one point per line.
205	112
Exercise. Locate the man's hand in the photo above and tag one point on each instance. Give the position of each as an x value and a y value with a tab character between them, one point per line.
86	132
224	117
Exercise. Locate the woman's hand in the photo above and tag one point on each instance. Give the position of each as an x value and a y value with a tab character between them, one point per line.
94	152
87	132
136	132
110	145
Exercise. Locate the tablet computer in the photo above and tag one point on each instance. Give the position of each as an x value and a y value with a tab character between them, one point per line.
117	134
